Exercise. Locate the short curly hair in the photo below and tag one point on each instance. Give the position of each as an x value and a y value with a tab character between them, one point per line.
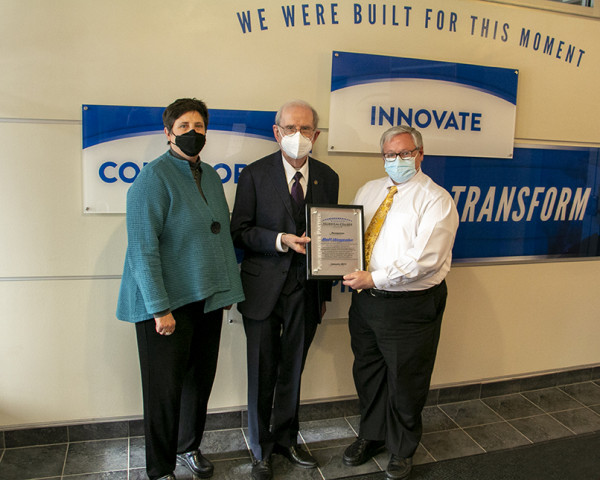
181	106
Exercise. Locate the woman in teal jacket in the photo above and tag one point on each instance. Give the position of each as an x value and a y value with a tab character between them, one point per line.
180	272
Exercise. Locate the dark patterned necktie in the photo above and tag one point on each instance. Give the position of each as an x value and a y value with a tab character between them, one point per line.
297	192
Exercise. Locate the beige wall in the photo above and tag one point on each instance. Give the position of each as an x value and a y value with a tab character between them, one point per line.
63	355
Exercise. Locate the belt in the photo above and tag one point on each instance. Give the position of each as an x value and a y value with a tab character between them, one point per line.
374	292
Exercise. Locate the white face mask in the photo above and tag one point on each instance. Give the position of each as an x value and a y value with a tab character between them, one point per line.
296	146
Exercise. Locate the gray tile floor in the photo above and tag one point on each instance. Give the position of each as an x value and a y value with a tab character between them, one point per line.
451	430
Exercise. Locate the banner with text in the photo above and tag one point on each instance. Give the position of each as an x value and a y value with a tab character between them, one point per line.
461	110
119	140
543	203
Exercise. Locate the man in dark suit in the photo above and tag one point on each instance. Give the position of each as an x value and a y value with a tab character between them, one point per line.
282	308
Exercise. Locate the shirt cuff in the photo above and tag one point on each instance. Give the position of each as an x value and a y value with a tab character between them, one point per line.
280	247
380	279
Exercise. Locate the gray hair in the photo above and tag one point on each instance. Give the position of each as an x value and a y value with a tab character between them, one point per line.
297	103
399	130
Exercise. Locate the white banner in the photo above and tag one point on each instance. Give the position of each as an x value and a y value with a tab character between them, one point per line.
119	141
461	110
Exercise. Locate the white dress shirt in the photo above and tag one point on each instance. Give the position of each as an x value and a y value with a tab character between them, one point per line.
414	248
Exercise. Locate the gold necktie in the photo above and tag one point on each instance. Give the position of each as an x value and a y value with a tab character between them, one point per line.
376	223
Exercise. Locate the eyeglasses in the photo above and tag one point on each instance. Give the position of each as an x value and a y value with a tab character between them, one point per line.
307	132
404	155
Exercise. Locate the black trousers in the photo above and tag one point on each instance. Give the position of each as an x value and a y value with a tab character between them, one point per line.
277	349
177	376
395	341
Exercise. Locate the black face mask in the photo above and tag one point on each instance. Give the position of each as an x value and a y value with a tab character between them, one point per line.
190	142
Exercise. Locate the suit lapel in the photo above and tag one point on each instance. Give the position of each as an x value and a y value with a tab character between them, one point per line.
315	183
280	183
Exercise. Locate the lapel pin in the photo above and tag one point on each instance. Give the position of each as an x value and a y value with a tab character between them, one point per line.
316	182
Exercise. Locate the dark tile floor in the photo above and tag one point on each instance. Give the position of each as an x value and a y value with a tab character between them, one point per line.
451	430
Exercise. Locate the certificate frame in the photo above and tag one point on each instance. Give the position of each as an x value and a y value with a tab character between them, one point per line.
337	241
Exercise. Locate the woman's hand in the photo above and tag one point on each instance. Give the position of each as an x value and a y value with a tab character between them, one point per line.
165	325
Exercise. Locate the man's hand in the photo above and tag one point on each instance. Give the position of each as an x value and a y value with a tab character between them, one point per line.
298	244
359	280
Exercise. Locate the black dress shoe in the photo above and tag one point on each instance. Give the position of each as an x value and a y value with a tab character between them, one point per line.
296	456
361	451
399	468
261	469
197	463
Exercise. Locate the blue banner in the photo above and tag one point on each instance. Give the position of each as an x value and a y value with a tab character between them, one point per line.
542	203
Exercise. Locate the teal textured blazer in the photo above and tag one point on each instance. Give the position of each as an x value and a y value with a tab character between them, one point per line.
173	256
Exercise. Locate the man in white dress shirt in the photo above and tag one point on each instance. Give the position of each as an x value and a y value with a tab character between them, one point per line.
398	303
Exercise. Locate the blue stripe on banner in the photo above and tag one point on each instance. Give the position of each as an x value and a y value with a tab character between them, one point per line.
105	123
500	82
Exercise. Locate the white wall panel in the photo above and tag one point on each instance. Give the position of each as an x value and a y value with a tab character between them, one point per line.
64	356
58	55
44	230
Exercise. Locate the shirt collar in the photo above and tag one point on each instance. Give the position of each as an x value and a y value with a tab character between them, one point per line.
291	171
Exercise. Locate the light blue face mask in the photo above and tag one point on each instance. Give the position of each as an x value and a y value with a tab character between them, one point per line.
401	170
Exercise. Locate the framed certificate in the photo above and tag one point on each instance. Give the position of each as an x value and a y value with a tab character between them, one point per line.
336	247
